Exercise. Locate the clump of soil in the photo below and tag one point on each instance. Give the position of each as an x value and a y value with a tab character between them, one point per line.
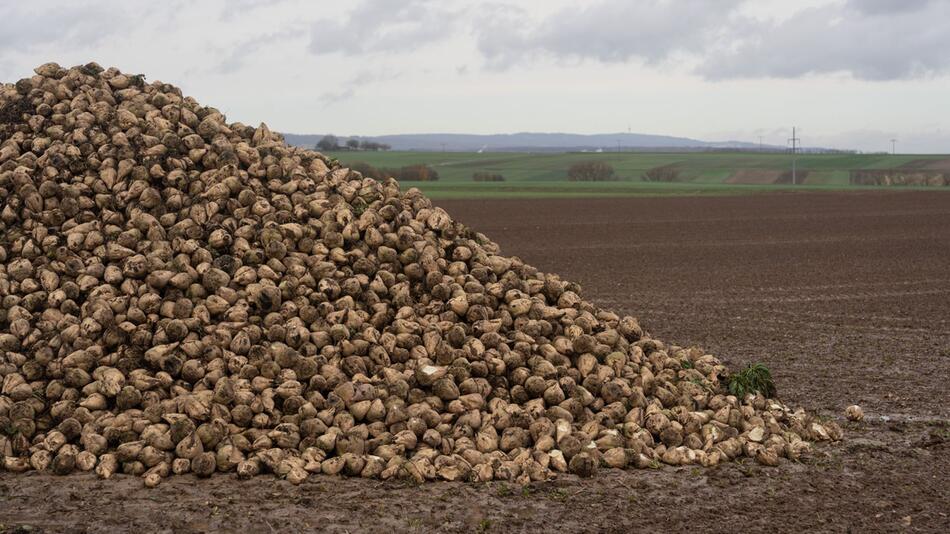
181	294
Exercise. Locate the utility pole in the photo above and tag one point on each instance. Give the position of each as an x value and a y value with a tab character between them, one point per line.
893	146
760	143
795	144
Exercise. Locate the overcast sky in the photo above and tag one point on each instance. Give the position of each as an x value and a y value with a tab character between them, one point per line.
848	73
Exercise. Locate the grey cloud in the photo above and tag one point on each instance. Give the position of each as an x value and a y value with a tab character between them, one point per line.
502	33
334	97
383	26
351	87
607	31
868	39
233	9
236	56
886	7
833	39
28	25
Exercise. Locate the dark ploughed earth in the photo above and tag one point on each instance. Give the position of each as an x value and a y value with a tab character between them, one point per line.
845	296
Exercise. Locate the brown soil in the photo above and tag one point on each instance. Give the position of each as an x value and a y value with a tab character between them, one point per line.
930	164
754	176
845	296
765	176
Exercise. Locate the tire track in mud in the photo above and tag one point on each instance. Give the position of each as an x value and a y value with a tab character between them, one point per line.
759	274
876	295
782	325
652	245
779	289
768	303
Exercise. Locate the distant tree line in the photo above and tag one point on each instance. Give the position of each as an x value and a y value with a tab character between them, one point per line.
487	177
409	173
663	173
900	176
331	142
591	171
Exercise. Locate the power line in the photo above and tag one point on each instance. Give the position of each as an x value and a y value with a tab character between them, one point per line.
795	145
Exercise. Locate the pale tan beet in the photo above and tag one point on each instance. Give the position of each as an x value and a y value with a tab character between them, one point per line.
182	294
854	413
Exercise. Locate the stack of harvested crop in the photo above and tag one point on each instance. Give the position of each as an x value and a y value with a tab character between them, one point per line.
180	294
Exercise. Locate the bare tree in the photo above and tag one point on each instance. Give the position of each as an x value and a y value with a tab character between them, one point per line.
487	177
590	171
329	142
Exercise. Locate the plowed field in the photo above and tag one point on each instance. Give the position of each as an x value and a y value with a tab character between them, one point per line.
846	297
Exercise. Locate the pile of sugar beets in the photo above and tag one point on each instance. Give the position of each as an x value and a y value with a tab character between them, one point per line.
184	295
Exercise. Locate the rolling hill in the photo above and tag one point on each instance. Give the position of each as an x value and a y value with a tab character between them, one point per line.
534	173
528	142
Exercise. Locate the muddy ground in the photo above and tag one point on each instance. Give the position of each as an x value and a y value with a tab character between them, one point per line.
845	296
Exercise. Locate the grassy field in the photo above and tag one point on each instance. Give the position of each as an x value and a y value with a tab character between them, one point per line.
545	174
565	189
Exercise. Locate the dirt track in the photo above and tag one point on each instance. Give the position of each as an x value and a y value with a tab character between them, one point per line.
845	296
